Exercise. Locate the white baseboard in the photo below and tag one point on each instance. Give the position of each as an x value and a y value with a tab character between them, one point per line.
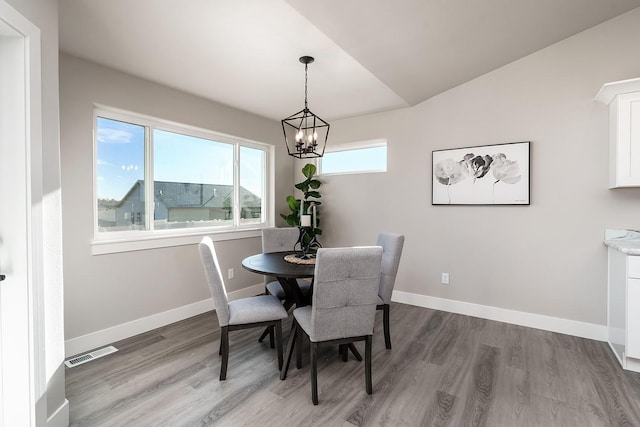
60	418
107	336
531	320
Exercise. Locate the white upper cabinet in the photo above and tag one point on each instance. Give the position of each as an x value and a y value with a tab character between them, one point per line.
623	99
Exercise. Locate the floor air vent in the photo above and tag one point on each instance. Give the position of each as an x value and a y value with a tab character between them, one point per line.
88	357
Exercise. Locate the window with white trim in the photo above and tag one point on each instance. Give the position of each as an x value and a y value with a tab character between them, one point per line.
361	157
154	177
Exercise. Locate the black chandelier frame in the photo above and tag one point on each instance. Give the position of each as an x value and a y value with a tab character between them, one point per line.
301	129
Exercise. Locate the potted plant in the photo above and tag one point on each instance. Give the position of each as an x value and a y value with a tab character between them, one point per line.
308	205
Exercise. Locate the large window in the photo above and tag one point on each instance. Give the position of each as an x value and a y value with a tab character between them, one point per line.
153	175
362	157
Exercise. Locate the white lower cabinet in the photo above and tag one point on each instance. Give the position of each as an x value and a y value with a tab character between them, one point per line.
624	308
633	316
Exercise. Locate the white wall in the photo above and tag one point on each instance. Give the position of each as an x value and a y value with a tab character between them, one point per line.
546	259
45	16
108	291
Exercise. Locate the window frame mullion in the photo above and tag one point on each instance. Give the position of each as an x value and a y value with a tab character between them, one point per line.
236	184
150	202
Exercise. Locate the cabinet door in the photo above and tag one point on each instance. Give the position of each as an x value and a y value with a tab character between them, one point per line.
633	318
633	266
626	139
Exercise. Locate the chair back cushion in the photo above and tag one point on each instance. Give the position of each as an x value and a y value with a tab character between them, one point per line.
214	279
391	250
279	239
345	292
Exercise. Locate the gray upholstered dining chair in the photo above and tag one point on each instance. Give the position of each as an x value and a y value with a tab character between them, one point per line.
258	311
391	251
280	240
343	311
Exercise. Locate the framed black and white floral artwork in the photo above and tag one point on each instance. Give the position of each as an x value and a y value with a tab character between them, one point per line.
484	175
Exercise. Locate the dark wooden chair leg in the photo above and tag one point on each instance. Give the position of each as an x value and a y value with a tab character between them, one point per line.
351	346
224	349
264	334
385	321
299	338
344	352
287	305
367	364
271	337
290	344
314	373
278	330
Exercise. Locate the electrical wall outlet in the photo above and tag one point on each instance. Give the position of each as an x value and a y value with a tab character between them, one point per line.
445	278
230	273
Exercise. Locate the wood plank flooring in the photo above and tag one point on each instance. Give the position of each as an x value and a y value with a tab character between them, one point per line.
444	370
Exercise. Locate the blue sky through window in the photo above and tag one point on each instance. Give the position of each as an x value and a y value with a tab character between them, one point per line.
184	158
120	157
355	160
177	158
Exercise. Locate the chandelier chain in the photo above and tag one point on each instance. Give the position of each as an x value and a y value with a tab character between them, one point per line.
305	86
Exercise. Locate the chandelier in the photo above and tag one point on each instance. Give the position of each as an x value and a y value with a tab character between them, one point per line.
305	133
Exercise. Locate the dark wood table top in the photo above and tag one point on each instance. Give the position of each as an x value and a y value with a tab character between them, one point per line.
274	264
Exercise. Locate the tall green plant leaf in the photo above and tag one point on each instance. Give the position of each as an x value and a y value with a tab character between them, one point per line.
294	204
308	187
309	170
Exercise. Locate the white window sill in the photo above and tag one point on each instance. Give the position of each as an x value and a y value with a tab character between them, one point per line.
111	246
328	174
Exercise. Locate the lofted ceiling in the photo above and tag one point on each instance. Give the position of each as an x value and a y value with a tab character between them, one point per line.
371	55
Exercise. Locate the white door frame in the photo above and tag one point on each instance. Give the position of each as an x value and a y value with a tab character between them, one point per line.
22	350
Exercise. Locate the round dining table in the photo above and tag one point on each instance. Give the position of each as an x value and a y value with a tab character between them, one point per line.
287	273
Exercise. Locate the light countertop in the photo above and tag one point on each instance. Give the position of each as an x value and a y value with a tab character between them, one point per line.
625	241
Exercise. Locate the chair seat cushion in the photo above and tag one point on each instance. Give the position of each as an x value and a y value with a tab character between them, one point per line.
303	317
323	330
380	300
261	308
275	288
